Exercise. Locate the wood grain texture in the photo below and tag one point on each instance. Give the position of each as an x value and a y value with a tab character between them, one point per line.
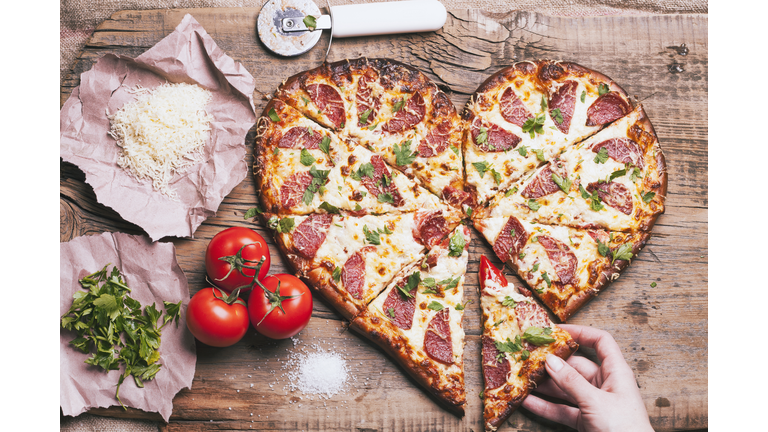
662	330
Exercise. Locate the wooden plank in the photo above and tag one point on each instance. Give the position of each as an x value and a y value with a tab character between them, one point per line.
662	330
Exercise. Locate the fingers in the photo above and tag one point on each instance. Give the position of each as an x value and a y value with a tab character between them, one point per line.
587	368
608	351
562	414
568	379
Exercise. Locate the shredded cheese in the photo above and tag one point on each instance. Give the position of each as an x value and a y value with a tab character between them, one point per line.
162	133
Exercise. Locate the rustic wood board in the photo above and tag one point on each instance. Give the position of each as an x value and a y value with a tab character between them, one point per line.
662	330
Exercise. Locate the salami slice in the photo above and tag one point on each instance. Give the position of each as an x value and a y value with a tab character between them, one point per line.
511	240
496	139
399	308
353	272
607	108
366	101
457	197
623	150
564	100
381	182
542	184
437	340
530	315
310	234
430	227
411	113
292	190
436	140
512	108
562	258
614	194
494	371
300	137
329	101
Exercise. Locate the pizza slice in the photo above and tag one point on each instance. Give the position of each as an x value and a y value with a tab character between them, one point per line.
350	259
526	114
417	320
564	267
614	180
393	110
303	168
517	337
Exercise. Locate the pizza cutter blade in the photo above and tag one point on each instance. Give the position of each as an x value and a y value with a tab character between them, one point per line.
282	28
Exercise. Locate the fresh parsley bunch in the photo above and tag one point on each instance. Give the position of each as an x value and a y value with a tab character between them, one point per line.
111	323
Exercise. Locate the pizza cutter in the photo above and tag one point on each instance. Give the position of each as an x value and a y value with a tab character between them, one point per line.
282	26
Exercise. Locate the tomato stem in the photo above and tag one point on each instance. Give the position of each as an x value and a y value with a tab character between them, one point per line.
237	262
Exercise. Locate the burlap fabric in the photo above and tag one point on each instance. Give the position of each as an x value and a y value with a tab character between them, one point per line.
80	17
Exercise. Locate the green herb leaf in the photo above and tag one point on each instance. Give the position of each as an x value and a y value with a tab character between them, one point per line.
330	208
306	157
310	22
273	115
624	252
429	282
557	116
372	127
602	248
509	346
413	282
602	156
371	237
539	154
481	167
435	306
461	306
563	183
496	176
653	284
522	150
603	88
398	105
617	173
336	274
538	336
535	268
544	104
403	155
647	196
545	276
252	212
391	312
498	323
325	145
306	101
636	173
509	302
456	245
386	198
583	96
533	205
364	116
455	150
285	225
536	124
482	137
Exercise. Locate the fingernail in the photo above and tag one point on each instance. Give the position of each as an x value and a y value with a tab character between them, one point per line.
554	362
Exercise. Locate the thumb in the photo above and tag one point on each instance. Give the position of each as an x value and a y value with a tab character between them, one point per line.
570	381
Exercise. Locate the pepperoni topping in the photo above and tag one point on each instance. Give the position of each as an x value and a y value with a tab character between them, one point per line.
614	194
457	197
300	137
531	315
607	108
512	108
329	101
542	184
600	235
402	306
436	140
564	99
377	184
561	257
494	371
411	113
437	340
430	228
310	234
365	101
496	138
622	150
292	190
511	239
353	272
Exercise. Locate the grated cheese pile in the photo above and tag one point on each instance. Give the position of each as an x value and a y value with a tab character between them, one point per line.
162	132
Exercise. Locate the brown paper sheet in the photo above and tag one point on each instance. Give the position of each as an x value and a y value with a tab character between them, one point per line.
151	271
187	55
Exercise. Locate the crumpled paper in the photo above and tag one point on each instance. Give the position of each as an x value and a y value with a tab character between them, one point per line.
153	274
187	55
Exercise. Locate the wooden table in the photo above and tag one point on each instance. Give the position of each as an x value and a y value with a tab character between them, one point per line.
662	330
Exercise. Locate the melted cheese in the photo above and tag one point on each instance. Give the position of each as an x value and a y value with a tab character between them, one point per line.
162	133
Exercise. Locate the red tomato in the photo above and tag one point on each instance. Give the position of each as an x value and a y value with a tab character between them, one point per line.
489	271
230	253
284	310
213	321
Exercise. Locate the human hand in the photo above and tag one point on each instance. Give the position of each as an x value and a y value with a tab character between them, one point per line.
605	396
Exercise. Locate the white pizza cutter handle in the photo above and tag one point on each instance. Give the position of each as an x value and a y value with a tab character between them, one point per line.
370	19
